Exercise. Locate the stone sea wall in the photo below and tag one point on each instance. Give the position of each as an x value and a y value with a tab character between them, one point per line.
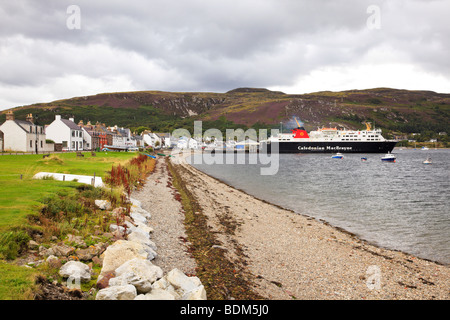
127	270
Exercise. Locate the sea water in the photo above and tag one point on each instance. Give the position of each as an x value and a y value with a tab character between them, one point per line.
402	206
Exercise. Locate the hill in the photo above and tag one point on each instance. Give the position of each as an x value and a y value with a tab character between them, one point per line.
391	109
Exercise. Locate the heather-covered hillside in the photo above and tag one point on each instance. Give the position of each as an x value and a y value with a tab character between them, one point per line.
391	109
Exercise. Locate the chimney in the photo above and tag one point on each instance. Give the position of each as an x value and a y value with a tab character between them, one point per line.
72	119
81	124
58	117
10	115
30	118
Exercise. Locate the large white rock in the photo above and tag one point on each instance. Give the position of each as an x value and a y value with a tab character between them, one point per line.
137	272
156	294
142	238
137	217
103	204
120	252
182	282
143	228
126	292
76	270
198	293
163	284
141	211
135	202
180	286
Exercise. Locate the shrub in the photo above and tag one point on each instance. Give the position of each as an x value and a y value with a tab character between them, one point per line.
12	242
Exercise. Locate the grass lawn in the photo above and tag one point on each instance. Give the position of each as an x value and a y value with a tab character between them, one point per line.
21	197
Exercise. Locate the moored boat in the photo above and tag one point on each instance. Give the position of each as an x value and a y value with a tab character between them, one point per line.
389	157
329	140
337	156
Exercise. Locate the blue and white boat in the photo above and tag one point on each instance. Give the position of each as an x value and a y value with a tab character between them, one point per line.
337	156
389	157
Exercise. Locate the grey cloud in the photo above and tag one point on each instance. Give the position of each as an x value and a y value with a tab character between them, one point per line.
211	45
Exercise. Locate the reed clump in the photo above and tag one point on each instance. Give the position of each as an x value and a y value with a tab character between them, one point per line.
131	175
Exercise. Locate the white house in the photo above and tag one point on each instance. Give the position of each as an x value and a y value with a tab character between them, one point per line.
24	136
165	139
193	144
88	139
127	137
151	139
1	141
183	143
66	132
137	141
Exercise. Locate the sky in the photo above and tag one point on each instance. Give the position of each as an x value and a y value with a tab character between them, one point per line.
58	49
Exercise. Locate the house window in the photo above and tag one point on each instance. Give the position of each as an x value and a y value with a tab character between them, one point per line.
31	143
73	133
42	144
73	144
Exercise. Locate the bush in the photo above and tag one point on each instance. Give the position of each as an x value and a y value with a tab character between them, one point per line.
11	243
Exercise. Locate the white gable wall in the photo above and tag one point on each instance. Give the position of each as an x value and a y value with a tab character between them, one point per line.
18	139
15	139
59	132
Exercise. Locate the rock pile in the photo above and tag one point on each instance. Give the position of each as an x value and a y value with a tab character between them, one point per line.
128	273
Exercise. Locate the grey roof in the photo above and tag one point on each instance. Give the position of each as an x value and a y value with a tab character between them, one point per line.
25	125
70	124
163	134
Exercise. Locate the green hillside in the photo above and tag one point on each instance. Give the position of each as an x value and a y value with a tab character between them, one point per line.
393	110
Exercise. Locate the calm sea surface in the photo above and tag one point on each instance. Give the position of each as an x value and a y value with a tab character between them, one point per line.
402	206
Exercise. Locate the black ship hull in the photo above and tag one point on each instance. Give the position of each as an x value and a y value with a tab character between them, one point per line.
329	147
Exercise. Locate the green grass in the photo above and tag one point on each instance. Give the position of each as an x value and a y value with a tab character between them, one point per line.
16	282
23	196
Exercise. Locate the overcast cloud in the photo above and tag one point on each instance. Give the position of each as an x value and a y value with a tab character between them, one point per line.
295	46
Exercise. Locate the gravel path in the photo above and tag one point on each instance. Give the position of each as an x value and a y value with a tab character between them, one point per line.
288	256
157	197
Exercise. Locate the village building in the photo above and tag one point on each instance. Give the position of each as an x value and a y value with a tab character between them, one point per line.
153	139
1	141
65	132
23	136
91	138
137	141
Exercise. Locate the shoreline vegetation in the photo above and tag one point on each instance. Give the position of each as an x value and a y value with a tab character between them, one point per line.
240	247
41	218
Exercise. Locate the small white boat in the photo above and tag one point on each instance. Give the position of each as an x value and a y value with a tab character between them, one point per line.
389	157
337	156
428	161
424	148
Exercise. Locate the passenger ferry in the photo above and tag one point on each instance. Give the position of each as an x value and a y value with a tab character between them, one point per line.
329	140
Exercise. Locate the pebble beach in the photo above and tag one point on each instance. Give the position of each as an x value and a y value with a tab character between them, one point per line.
288	256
